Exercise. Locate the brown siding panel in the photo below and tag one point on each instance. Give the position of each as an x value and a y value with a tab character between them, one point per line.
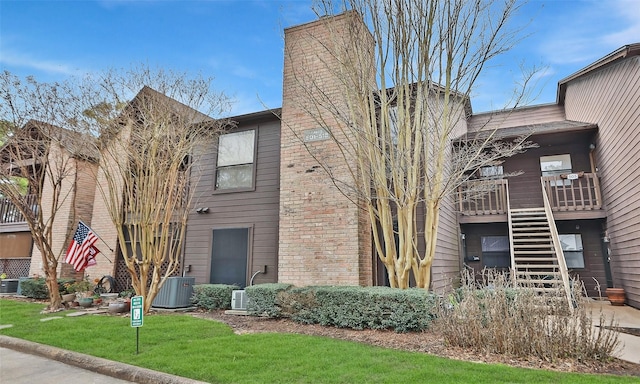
256	209
610	97
514	118
525	190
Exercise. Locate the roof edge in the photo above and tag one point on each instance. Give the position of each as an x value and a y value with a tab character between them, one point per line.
619	54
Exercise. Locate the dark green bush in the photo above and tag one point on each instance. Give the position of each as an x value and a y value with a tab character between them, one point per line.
37	288
359	307
263	299
213	296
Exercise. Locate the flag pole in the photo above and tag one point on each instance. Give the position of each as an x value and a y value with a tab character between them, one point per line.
101	239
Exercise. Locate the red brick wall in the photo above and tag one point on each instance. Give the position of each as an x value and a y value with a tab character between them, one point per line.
324	237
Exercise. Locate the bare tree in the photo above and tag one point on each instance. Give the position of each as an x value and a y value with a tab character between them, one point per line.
41	164
145	140
148	146
401	119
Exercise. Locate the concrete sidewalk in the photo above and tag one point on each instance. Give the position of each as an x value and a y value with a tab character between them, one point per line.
55	365
624	316
23	368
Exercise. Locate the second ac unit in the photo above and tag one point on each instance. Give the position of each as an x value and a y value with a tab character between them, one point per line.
239	300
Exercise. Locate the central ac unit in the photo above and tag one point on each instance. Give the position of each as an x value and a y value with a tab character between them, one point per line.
239	300
175	293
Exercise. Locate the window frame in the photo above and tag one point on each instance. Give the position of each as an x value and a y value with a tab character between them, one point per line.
562	158
506	253
489	172
253	164
572	251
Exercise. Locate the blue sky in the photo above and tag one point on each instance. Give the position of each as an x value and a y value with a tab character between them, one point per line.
240	42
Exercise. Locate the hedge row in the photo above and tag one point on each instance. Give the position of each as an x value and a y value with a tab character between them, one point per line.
263	299
213	296
346	307
402	310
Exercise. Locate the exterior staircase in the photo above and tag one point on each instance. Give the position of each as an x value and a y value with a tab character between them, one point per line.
536	255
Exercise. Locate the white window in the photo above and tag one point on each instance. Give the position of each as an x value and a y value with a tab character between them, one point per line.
556	166
492	171
572	249
235	160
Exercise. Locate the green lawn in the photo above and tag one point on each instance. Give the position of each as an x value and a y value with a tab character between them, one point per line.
210	351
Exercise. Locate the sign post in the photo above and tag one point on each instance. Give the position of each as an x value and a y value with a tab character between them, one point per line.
137	317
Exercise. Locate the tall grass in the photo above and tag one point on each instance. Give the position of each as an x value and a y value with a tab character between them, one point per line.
489	315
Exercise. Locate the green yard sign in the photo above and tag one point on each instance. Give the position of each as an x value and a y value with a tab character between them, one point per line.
137	311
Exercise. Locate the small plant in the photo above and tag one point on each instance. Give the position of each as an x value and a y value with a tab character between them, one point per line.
77	286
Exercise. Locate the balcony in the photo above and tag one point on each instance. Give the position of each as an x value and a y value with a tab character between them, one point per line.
483	200
574	196
571	196
10	214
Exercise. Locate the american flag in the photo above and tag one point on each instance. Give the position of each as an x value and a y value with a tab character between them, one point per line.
81	247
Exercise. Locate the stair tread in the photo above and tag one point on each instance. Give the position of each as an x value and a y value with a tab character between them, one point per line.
530	240
537	273
544	289
532	252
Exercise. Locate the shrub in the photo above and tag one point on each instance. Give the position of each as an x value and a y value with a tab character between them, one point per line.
360	307
263	299
521	322
37	288
213	296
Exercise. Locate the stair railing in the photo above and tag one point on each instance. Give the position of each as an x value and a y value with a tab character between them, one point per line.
562	264
510	225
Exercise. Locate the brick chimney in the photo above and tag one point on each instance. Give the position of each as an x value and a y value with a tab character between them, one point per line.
325	239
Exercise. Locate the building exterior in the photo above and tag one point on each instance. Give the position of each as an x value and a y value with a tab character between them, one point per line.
265	211
57	162
585	164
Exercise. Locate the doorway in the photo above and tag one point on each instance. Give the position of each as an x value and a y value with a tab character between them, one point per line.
229	255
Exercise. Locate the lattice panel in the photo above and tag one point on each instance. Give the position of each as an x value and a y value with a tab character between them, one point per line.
15	268
122	278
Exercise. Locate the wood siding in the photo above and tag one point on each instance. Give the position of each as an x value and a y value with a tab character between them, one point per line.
447	261
591	231
257	209
610	97
525	190
514	118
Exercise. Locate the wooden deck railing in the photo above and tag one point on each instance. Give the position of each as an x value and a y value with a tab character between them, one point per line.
9	213
573	192
483	197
